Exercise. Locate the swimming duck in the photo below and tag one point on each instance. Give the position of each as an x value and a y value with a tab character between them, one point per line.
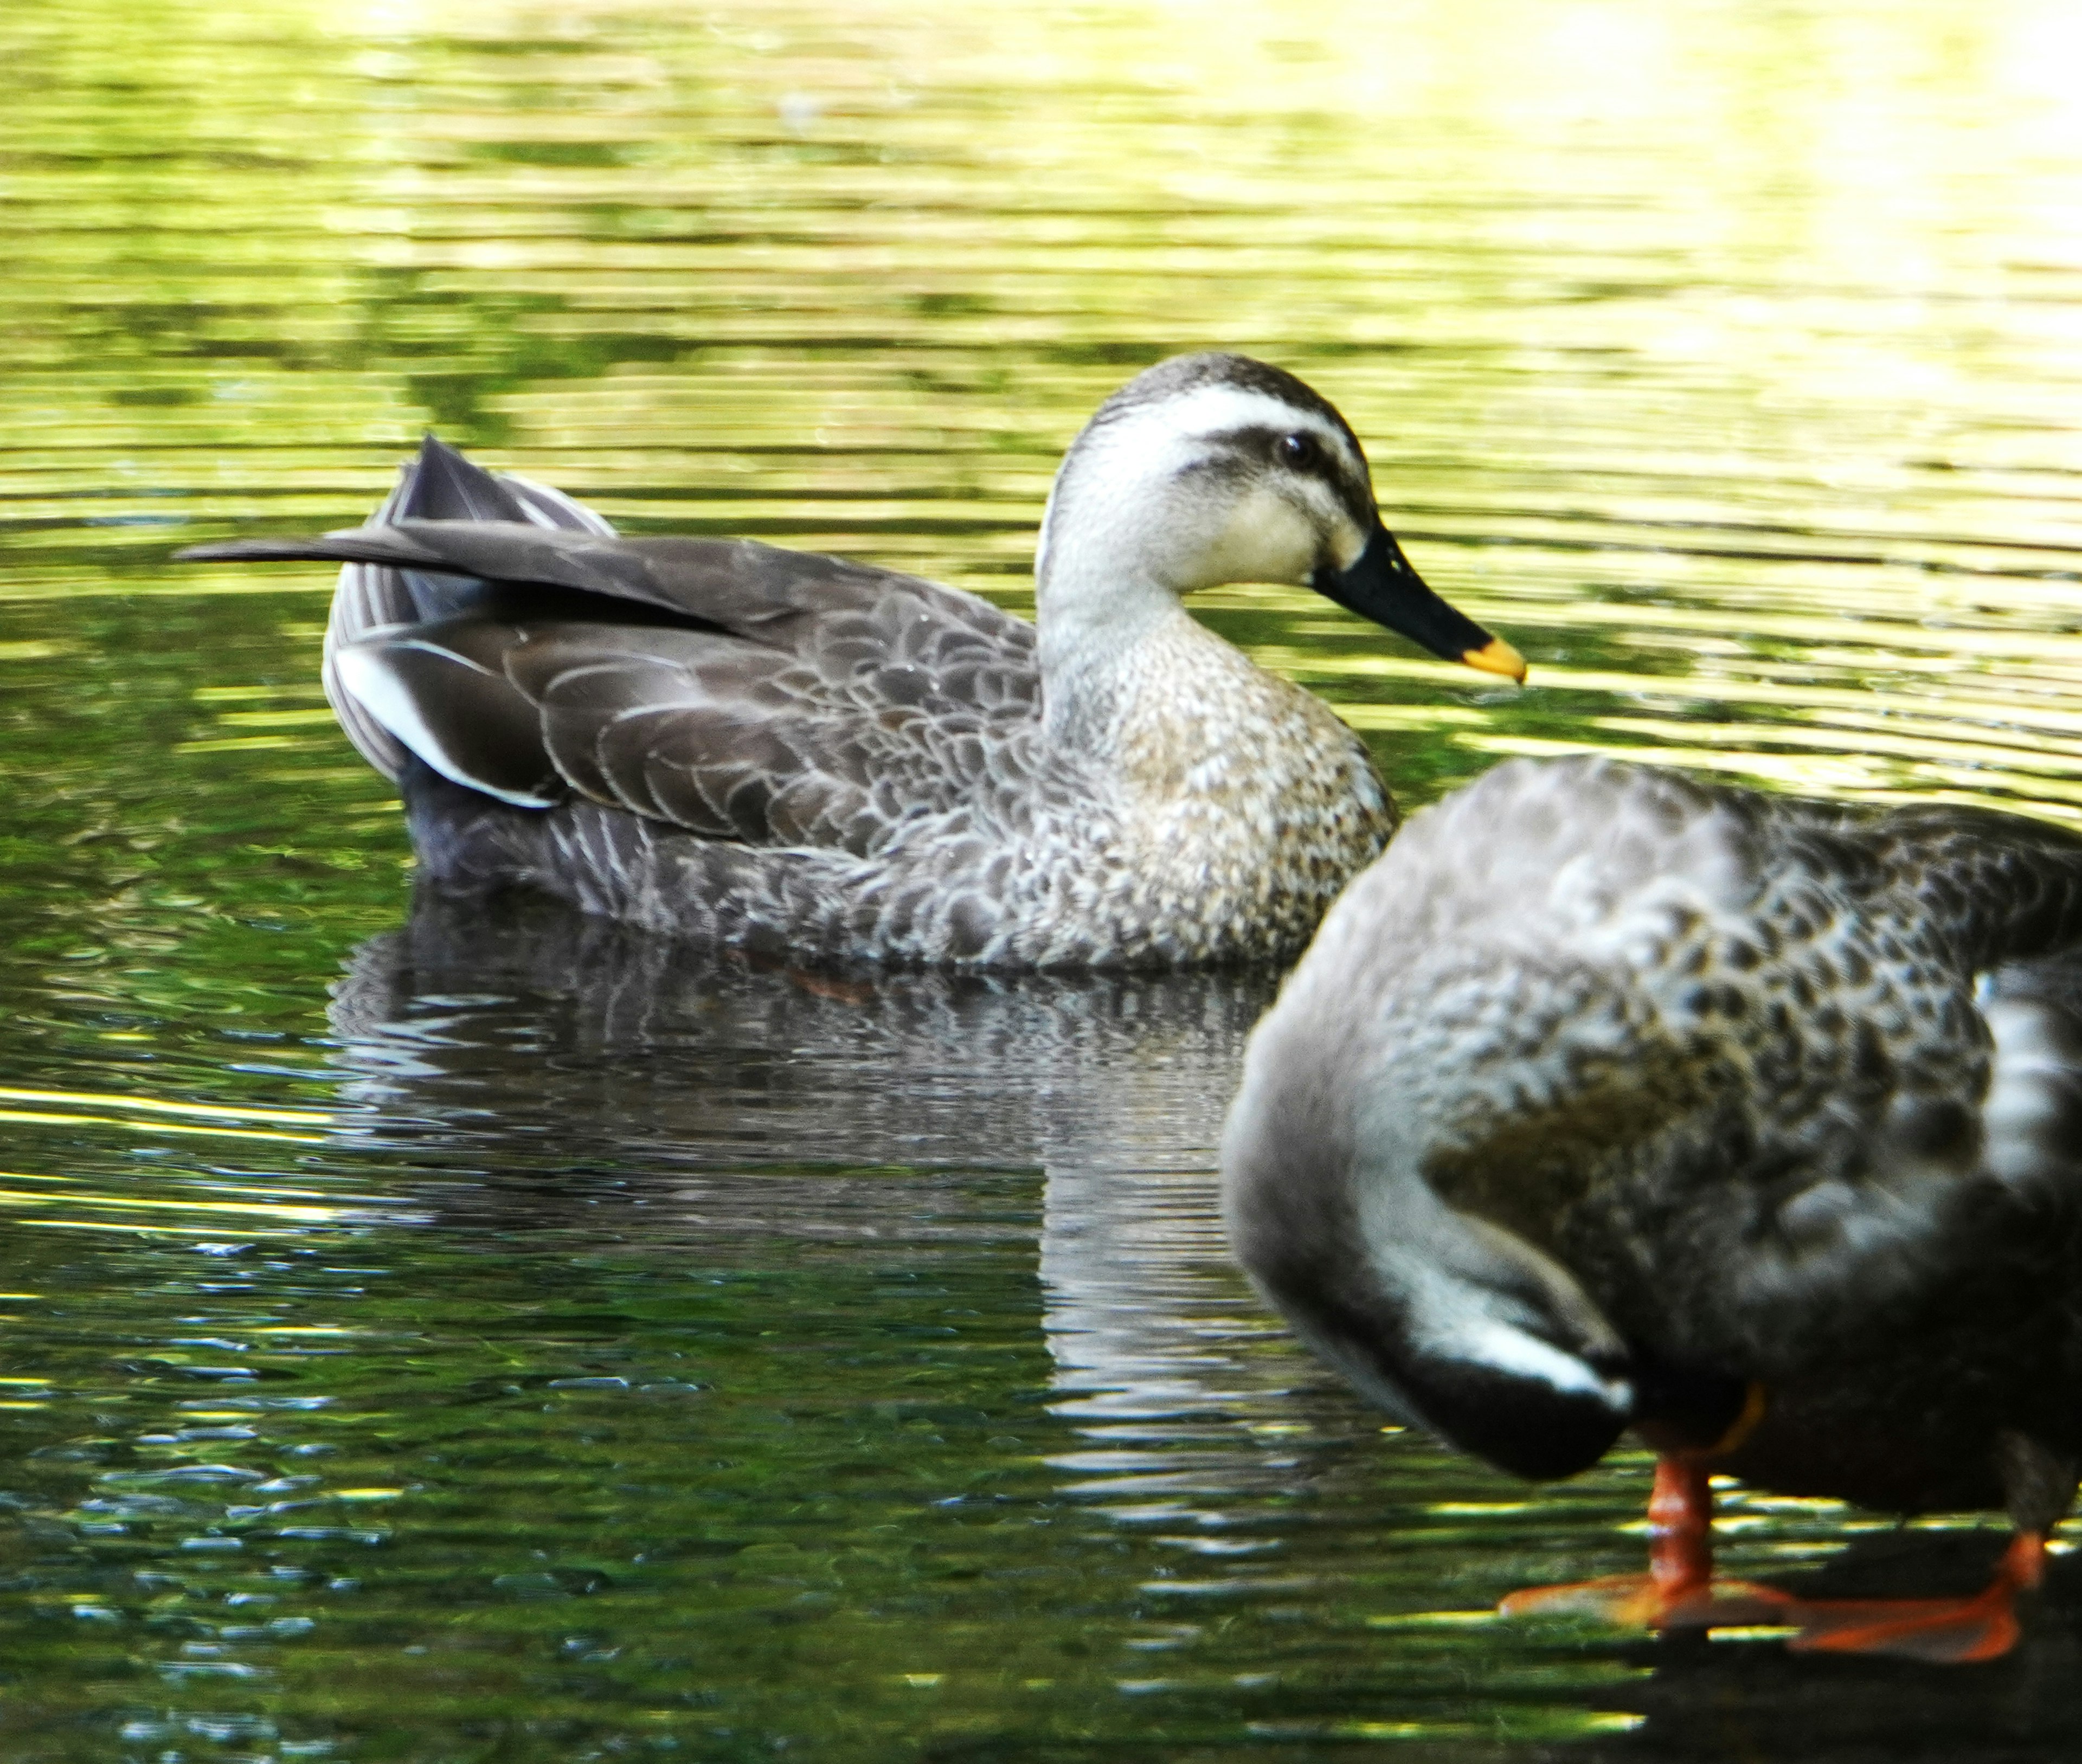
720	740
1607	1098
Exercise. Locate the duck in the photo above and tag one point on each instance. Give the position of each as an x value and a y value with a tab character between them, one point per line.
1609	1102
743	746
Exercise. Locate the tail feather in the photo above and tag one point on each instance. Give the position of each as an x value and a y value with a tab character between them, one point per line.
440	484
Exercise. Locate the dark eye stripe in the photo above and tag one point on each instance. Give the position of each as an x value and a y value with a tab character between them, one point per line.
1328	466
1270	444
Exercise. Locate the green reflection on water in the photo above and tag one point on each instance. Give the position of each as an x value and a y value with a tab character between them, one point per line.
1725	357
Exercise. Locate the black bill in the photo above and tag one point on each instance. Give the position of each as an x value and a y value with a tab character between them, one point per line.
1381	585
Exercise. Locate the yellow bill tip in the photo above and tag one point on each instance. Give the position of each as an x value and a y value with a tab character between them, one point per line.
1497	657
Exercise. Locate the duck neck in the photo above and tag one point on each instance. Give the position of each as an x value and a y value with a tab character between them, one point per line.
1094	673
1100	609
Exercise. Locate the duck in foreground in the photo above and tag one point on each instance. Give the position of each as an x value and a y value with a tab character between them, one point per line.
1752	1124
720	740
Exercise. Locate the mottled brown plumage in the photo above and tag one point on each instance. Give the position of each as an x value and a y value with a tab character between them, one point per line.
720	740
1607	1094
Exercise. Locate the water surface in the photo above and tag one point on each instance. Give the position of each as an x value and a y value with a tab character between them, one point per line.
436	1336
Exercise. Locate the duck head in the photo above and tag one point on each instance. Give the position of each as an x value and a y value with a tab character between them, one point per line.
1213	468
1443	1318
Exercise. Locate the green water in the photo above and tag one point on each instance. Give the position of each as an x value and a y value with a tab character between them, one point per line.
441	1337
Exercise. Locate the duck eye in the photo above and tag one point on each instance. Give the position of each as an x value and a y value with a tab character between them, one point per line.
1297	451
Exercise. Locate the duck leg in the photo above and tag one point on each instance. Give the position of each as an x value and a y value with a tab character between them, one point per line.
1679	1591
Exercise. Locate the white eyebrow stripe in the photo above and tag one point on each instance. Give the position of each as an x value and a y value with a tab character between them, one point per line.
1171	428
1213	409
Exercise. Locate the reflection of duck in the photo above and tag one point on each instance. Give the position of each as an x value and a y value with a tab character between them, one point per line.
769	1107
1754	1124
515	1035
741	745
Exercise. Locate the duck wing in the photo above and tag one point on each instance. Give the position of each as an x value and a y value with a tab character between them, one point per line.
726	687
1859	1075
2000	888
1820	1059
2002	896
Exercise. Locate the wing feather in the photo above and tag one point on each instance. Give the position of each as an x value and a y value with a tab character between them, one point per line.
465	719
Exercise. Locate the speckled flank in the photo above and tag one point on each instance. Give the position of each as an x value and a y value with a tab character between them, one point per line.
1222	835
1779	1090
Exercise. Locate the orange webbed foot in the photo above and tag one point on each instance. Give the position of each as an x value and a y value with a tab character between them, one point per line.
1943	1632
